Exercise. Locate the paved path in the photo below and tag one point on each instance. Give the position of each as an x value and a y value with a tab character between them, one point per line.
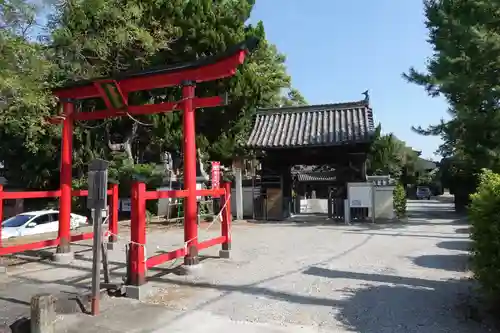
294	277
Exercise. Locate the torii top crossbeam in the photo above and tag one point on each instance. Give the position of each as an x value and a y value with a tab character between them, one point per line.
114	90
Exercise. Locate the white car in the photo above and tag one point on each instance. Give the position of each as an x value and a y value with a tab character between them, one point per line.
37	222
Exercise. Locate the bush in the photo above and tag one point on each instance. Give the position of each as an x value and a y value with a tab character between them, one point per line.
122	172
400	201
484	215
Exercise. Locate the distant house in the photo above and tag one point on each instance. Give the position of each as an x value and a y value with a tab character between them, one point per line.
426	165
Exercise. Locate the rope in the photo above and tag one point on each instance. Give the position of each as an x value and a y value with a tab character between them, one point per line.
93	127
137	121
150	125
62	117
218	218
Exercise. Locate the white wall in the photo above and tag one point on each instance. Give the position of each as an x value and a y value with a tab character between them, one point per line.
314	206
247	201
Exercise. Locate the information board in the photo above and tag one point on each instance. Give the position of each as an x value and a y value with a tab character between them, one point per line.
360	196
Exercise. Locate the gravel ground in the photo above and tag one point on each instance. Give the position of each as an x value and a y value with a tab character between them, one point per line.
392	278
309	273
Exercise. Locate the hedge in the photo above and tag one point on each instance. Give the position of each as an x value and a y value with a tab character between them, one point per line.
484	216
400	201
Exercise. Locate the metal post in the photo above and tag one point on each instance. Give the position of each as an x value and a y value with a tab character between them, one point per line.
330	203
105	264
190	202
347	212
97	202
96	260
238	191
253	189
373	202
66	179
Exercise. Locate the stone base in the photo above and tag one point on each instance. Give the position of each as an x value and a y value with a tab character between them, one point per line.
190	270
225	254
63	258
191	261
138	292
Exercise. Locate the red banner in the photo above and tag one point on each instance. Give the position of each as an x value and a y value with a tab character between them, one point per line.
215	174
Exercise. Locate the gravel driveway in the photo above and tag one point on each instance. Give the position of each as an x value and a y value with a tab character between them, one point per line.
311	276
339	278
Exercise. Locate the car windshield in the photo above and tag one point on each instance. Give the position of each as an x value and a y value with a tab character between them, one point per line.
16	221
423	190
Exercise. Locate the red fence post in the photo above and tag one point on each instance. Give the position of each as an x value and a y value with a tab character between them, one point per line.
226	221
1	213
137	261
113	207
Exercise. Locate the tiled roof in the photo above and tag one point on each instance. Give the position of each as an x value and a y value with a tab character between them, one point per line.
316	176
313	125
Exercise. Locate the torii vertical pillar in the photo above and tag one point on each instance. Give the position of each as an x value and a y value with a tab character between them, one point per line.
66	179
190	202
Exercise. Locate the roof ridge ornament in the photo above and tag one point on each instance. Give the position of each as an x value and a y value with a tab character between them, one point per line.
366	93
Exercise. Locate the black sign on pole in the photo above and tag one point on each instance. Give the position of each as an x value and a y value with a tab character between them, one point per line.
98	184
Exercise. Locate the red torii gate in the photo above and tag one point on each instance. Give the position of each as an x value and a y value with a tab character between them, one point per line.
114	92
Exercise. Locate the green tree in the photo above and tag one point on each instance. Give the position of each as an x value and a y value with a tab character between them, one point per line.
293	98
100	37
463	69
28	143
92	38
391	156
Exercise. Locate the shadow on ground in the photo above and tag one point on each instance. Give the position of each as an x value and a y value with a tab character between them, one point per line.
17	290
456	245
403	233
302	220
426	214
385	303
407	304
447	262
380	309
322	221
462	230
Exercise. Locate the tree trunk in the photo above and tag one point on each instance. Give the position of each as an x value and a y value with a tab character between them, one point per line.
126	145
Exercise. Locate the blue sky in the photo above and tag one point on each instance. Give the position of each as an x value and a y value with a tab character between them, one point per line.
337	49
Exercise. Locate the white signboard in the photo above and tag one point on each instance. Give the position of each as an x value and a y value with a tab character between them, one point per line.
360	195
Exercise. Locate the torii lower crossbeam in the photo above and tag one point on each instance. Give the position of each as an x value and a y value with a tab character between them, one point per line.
140	110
